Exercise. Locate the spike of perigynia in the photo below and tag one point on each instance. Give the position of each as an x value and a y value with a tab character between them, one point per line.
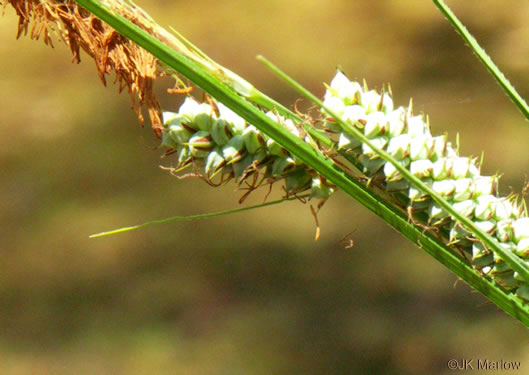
221	144
407	138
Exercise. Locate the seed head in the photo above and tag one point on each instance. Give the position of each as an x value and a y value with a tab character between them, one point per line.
407	138
214	139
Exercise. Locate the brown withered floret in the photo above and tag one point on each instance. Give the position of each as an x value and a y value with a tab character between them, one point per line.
135	68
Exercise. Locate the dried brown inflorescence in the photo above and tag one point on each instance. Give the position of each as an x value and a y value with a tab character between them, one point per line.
135	68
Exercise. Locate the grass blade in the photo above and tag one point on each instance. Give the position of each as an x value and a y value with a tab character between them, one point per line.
484	58
193	217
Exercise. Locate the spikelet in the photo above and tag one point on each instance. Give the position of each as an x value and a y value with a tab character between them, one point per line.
407	138
221	145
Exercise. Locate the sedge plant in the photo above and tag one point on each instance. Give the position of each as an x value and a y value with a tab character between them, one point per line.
380	154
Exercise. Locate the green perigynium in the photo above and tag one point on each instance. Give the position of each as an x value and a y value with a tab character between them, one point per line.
220	144
433	159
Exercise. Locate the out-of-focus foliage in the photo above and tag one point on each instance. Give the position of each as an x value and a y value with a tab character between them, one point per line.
246	294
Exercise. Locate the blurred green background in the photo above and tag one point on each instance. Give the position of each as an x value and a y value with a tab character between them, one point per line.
250	293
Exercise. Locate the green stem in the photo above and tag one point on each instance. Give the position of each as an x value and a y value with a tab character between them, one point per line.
484	58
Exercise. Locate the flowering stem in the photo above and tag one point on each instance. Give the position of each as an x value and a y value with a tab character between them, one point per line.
231	97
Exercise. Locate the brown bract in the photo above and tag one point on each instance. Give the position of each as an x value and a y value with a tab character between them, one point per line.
135	68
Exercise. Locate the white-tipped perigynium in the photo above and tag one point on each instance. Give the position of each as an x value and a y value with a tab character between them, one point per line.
407	138
212	137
